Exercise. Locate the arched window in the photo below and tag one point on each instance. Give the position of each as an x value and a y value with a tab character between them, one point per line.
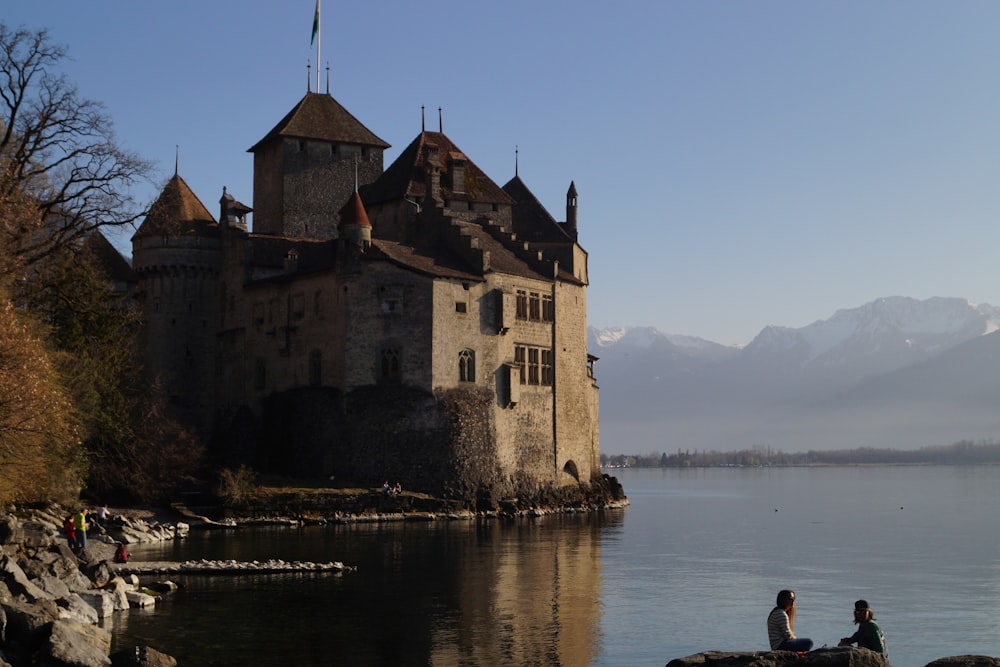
389	365
466	366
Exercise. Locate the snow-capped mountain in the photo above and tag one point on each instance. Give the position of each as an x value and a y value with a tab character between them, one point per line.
796	388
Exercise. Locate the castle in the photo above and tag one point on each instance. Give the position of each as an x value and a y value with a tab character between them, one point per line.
416	323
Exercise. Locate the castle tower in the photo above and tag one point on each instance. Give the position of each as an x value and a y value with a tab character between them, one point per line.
175	254
307	166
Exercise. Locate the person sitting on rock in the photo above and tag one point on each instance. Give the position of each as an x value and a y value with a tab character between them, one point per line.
869	634
121	553
385	488
781	626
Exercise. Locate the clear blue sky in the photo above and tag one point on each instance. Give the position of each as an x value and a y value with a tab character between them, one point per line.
739	163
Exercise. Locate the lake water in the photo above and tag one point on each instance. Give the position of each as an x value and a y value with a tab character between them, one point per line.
693	564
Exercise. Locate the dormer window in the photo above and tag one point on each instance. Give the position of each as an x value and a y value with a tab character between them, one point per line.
457	175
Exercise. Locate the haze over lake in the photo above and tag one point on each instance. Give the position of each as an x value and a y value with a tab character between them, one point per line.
693	564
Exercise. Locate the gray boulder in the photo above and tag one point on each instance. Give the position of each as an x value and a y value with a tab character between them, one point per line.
17	581
966	661
72	607
29	622
76	644
102	601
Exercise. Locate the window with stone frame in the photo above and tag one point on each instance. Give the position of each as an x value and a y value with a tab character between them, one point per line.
522	304
467	366
389	367
298	306
548	308
534	306
259	374
520	358
548	372
535	365
315	368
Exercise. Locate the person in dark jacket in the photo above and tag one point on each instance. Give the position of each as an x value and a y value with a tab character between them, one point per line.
869	634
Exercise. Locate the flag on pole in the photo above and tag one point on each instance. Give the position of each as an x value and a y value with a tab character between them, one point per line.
315	27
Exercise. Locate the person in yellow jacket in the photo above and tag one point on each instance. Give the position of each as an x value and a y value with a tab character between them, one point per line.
81	525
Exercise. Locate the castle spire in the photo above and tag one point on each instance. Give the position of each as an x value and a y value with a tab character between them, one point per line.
515	160
177	159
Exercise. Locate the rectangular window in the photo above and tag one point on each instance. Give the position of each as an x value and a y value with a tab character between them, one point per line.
391	299
460	307
534	307
298	306
315	368
533	365
548	308
522	304
259	375
547	370
520	353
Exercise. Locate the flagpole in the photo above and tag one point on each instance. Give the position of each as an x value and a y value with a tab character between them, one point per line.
318	40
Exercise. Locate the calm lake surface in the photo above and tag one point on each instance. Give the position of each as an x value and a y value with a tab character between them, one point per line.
693	564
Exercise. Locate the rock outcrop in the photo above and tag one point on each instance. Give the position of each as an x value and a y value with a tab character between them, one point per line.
823	657
51	599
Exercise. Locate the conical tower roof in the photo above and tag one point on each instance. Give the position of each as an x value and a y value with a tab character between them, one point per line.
176	212
353	212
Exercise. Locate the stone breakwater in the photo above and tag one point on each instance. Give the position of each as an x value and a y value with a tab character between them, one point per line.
227	567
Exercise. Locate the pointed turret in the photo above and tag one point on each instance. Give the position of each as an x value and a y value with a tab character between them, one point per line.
355	228
176	212
571	209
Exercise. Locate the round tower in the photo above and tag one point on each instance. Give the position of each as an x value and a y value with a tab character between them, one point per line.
176	255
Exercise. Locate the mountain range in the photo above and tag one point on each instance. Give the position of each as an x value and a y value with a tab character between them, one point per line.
894	373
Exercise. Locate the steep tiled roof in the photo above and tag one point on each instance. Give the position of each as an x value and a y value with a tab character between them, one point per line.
108	259
319	116
353	212
435	261
269	252
530	219
177	211
405	176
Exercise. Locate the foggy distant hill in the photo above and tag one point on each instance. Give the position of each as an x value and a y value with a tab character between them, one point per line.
896	372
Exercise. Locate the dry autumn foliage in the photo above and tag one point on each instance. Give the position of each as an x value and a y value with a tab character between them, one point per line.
40	454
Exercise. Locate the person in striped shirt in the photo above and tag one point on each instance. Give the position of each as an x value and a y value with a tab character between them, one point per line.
781	625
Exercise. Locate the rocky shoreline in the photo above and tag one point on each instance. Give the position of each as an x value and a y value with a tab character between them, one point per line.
53	597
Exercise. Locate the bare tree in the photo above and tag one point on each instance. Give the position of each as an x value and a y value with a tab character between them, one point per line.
59	150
